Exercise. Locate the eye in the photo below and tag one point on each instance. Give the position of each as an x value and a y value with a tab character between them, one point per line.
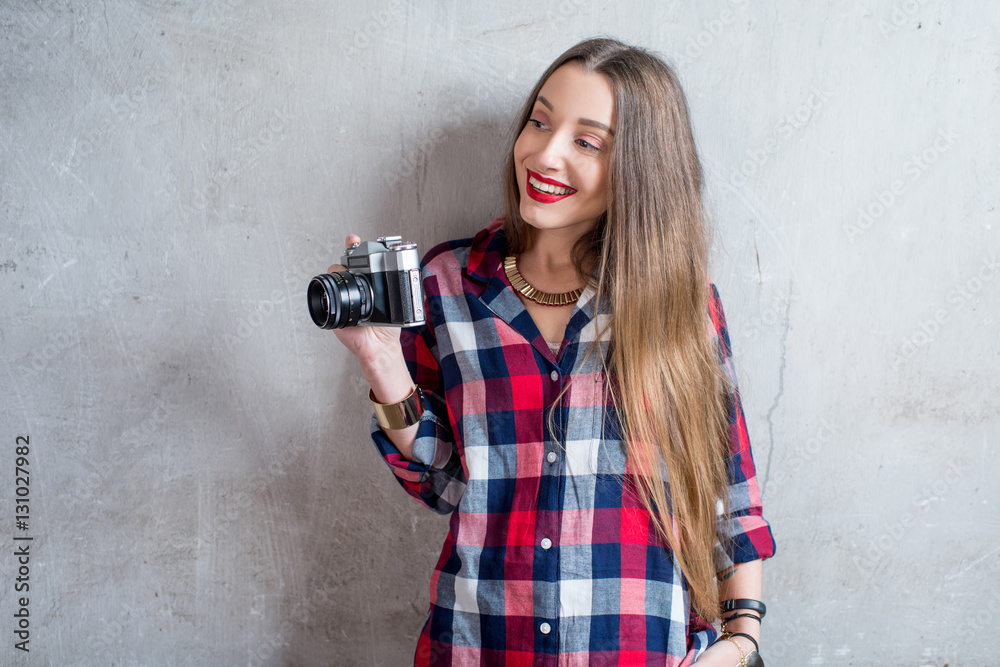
535	123
583	143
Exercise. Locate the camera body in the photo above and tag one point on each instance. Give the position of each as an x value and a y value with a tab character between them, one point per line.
381	287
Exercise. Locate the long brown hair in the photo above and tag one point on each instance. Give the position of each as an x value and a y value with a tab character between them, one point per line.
668	386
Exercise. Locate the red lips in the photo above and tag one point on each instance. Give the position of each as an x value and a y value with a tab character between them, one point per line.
545	197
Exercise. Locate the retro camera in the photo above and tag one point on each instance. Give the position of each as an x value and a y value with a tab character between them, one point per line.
381	287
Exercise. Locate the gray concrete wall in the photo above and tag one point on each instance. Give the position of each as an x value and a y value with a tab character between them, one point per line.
202	488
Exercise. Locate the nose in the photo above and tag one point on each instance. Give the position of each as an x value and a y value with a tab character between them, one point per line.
552	154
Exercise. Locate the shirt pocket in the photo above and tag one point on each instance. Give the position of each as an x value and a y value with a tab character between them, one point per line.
592	445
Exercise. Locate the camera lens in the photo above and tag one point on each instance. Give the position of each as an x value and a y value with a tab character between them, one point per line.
338	300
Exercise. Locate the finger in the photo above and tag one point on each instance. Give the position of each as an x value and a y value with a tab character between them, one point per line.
336	267
351	240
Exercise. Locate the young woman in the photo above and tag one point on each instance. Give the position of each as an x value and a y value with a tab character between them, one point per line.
571	401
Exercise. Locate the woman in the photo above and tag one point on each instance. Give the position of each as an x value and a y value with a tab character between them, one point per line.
571	400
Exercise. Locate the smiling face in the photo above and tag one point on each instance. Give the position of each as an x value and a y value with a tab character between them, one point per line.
561	156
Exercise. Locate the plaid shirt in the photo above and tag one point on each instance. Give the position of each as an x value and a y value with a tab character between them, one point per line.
550	558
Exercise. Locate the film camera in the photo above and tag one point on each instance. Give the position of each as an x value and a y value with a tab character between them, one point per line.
381	287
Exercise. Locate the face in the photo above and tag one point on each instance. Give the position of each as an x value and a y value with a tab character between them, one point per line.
561	155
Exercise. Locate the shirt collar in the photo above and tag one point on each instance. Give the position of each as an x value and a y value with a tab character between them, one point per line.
486	255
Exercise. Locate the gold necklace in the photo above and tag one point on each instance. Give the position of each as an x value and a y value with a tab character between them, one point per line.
518	282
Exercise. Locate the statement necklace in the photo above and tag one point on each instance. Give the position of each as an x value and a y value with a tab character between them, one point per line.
518	282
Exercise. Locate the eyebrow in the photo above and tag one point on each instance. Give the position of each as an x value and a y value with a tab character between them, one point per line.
583	121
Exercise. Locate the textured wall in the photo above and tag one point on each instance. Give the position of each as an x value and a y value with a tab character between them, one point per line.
202	488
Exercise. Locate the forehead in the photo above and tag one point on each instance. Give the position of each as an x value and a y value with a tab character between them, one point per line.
576	93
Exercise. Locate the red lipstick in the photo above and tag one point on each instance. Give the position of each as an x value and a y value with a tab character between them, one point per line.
544	197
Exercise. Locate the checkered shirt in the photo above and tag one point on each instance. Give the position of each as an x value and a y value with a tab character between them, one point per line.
550	558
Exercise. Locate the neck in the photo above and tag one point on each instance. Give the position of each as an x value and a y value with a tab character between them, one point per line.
548	264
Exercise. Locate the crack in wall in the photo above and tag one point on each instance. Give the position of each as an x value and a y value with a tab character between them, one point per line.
781	389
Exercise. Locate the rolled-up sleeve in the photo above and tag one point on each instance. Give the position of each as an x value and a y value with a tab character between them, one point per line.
744	535
435	477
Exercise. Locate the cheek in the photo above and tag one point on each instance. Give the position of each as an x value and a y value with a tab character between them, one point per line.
604	182
598	179
520	150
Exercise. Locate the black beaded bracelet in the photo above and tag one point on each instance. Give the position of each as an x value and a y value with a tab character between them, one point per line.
743	634
744	603
735	616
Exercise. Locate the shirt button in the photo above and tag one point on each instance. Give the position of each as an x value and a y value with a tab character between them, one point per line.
545	628
554	375
551	457
546	543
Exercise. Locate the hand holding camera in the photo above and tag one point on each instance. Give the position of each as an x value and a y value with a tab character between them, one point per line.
367	300
380	287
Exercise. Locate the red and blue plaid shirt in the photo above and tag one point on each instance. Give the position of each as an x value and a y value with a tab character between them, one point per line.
550	558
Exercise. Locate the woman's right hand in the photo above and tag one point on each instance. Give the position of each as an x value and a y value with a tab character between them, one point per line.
381	357
369	344
383	365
